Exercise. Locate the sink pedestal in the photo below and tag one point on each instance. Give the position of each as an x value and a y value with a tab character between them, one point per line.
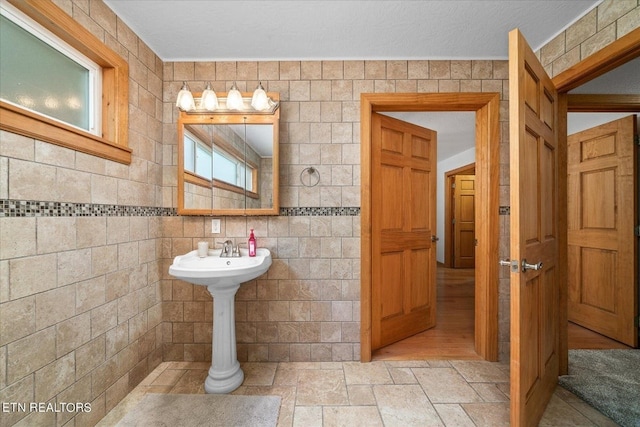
222	276
225	374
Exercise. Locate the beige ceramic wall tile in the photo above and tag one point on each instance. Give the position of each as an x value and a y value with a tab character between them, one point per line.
31	275
16	146
72	333
584	28
54	155
4	178
54	306
18	237
56	234
55	377
40	345
628	22
17	319
19	391
596	42
31	181
610	10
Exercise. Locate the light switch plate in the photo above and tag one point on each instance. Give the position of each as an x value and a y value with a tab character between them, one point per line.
215	226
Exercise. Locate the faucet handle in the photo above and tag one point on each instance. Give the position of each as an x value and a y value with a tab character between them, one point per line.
236	249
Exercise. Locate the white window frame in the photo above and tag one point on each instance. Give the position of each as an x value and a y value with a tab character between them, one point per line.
50	39
112	142
194	154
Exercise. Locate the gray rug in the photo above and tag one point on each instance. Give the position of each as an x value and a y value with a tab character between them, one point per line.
184	410
608	380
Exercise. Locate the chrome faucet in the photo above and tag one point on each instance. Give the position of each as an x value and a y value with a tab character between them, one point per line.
229	250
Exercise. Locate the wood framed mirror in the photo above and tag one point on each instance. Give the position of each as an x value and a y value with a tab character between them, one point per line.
228	162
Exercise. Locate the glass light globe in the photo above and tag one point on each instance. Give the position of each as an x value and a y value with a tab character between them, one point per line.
185	100
234	99
209	100
260	101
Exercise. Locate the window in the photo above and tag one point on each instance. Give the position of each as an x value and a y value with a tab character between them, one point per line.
92	114
197	156
216	165
232	170
43	74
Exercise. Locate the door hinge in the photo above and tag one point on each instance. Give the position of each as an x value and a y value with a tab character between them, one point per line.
453	221
453	185
637	231
636	139
636	321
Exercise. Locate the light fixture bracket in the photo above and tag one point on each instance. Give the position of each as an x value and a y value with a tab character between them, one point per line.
273	103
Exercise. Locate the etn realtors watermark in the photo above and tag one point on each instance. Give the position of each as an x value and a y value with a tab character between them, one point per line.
45	407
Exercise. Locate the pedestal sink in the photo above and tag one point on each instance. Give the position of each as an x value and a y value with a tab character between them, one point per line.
222	276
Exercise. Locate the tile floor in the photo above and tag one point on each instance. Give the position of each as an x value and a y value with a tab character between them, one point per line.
391	393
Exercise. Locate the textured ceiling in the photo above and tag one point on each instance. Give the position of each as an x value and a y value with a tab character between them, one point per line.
223	30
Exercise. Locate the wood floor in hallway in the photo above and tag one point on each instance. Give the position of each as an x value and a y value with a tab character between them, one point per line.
453	335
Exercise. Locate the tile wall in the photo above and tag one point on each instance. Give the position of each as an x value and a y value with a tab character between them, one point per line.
87	308
80	302
600	27
307	307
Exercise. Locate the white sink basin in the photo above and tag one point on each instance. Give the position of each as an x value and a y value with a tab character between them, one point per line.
222	277
213	269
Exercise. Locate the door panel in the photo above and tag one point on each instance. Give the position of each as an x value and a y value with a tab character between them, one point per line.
535	294
602	206
402	220
464	227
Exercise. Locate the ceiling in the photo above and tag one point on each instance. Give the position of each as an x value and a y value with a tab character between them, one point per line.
270	30
230	30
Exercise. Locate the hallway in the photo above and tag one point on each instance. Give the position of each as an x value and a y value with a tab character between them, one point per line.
453	335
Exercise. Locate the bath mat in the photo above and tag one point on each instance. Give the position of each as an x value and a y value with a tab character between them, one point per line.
185	410
608	380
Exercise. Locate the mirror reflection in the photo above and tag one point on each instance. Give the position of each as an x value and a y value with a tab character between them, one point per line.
227	166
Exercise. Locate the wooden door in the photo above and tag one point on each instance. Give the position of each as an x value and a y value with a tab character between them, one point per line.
535	296
403	220
602	205
464	226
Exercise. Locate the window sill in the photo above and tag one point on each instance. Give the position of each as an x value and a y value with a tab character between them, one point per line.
113	142
23	122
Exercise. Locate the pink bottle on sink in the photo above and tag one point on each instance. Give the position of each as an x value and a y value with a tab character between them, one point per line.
252	244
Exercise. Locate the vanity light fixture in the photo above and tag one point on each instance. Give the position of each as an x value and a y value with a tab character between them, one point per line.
185	100
234	98
233	102
209	100
260	100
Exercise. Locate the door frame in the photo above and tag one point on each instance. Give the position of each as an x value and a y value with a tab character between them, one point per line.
610	57
487	109
449	177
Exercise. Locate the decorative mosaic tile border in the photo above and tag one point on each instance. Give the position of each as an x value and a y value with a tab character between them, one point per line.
33	208
30	208
335	211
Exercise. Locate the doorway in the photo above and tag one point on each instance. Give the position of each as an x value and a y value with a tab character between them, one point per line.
459	217
602	208
486	108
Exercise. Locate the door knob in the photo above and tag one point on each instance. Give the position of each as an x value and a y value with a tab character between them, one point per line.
526	266
434	238
508	263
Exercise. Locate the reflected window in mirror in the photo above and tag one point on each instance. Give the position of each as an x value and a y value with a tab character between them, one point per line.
228	164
